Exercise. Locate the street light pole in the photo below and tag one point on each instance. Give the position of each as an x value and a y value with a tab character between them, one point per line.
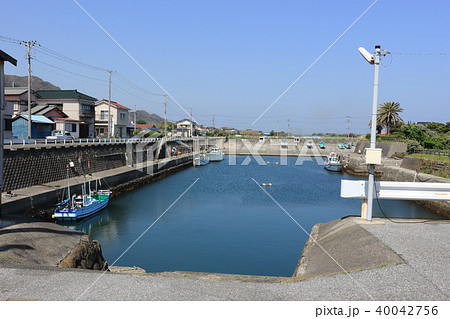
373	130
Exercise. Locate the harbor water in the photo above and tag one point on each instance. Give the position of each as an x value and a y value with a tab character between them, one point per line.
225	223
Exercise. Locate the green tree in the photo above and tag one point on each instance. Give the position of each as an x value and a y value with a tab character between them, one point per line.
388	115
141	122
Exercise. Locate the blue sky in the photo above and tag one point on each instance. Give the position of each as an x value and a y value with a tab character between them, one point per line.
232	59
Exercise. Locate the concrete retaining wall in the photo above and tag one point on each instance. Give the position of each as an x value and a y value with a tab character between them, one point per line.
29	167
273	147
388	148
427	166
123	178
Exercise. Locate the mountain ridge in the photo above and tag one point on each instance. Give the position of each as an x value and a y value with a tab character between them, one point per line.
22	81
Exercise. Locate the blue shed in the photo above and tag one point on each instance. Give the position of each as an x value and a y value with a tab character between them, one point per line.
41	126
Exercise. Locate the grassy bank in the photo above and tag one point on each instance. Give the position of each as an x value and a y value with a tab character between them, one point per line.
431	157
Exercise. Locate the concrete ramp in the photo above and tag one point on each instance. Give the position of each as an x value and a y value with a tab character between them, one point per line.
27	242
351	246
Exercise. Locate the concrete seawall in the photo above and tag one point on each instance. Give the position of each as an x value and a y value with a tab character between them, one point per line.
275	147
118	179
33	166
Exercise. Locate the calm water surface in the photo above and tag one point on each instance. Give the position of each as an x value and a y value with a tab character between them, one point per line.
225	223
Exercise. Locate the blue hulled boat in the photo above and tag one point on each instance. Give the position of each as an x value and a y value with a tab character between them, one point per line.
81	206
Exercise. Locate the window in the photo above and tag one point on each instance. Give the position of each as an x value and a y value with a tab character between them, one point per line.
70	127
104	115
86	108
102	130
122	116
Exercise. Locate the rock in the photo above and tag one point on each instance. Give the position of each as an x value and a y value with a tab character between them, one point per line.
87	254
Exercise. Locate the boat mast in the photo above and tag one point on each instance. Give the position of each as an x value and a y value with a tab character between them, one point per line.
68	184
84	190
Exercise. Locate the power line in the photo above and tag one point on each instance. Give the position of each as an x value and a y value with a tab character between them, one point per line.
137	96
39	66
67	59
78	74
122	79
399	53
10	40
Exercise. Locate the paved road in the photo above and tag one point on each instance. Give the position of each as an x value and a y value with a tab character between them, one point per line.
424	247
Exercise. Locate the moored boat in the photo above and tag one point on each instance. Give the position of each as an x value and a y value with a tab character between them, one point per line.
333	163
215	155
81	206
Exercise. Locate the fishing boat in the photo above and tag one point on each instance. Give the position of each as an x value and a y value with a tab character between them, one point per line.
333	163
201	160
81	206
322	144
215	155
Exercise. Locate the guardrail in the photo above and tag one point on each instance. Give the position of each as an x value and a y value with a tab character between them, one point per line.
432	152
38	143
394	190
397	190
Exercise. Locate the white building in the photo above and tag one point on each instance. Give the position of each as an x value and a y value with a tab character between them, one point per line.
119	119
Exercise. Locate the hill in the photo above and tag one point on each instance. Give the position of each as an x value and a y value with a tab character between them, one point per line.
36	82
153	118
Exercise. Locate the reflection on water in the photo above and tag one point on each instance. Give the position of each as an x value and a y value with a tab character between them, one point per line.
86	225
225	223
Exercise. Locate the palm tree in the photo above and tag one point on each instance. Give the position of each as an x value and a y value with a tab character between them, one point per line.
388	115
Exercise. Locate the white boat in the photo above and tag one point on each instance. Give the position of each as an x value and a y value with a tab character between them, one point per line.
200	160
215	155
333	163
81	206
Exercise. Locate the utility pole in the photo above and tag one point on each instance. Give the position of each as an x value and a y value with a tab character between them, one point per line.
348	126
165	115
289	126
191	123
213	121
109	104
134	120
29	44
277	128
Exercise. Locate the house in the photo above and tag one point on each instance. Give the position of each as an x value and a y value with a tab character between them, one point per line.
6	113
75	105
119	119
186	128
147	127
41	127
69	125
49	111
17	97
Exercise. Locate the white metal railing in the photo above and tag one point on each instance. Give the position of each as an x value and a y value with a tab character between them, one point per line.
35	143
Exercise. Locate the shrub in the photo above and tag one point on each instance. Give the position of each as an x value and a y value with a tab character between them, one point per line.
412	145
